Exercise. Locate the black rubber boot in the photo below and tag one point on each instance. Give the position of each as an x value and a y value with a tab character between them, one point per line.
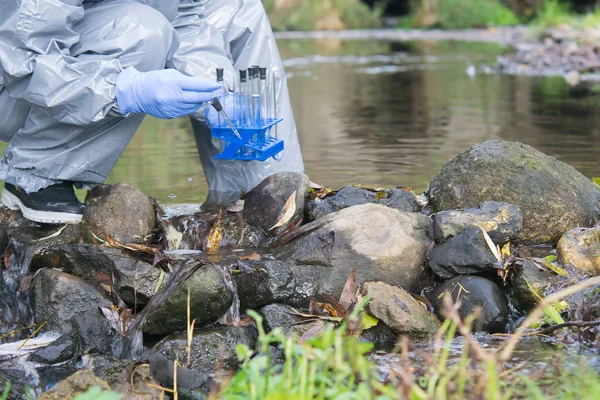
56	204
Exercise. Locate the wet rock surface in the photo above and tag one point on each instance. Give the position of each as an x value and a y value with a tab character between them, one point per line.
530	275
263	282
62	349
212	359
579	248
235	230
277	202
518	174
78	383
121	212
209	299
381	243
502	221
399	199
284	317
397	309
466	253
60	299
475	292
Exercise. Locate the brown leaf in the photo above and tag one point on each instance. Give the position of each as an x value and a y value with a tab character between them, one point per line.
313	331
110	240
314	308
251	257
348	295
215	237
333	307
287	212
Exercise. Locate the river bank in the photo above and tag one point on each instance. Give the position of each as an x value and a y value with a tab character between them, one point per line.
131	285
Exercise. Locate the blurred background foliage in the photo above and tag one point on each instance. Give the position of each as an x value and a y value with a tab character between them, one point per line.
445	14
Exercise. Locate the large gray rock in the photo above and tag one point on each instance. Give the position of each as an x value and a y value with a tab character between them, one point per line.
381	243
120	211
579	248
212	357
349	196
264	205
466	253
397	309
284	317
475	292
553	196
263	282
501	221
209	299
62	349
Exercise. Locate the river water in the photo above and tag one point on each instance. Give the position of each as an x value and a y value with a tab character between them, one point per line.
384	113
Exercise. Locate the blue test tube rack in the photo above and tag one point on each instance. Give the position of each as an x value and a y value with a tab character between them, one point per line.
254	145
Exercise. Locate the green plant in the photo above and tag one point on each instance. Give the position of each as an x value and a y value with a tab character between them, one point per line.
6	391
554	13
96	393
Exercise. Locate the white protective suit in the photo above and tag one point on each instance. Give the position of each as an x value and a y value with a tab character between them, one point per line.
59	61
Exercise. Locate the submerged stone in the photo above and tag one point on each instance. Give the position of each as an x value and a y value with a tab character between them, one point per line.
501	221
397	309
76	384
399	199
268	205
466	253
379	242
121	212
553	196
475	292
209	299
579	249
212	357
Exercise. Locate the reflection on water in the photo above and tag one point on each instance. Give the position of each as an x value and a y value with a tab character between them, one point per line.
384	113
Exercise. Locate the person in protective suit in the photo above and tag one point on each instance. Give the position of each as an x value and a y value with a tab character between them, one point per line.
78	77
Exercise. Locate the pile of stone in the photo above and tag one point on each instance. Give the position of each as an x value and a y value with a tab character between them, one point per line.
562	51
126	272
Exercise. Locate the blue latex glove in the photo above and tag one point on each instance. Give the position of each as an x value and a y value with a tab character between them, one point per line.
211	116
164	93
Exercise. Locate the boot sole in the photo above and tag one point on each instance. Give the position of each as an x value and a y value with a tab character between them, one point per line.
46	217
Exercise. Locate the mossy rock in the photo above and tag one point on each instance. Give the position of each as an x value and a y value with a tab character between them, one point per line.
553	196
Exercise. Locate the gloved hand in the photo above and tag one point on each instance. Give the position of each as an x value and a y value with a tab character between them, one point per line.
211	116
164	93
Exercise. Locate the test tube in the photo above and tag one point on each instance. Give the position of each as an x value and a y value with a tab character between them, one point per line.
274	84
220	81
242	97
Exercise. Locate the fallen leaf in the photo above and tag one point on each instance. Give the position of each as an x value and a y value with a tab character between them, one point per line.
236	207
491	245
380	195
287	212
251	257
215	237
368	321
348	295
505	251
313	331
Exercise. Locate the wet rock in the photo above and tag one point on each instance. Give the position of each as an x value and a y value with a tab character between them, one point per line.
349	196
236	231
135	279
397	309
264	206
62	349
120	211
60	299
466	253
552	196
282	316
502	221
382	337
579	249
263	282
475	292
528	275
9	220
78	383
209	299
212	358
381	243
